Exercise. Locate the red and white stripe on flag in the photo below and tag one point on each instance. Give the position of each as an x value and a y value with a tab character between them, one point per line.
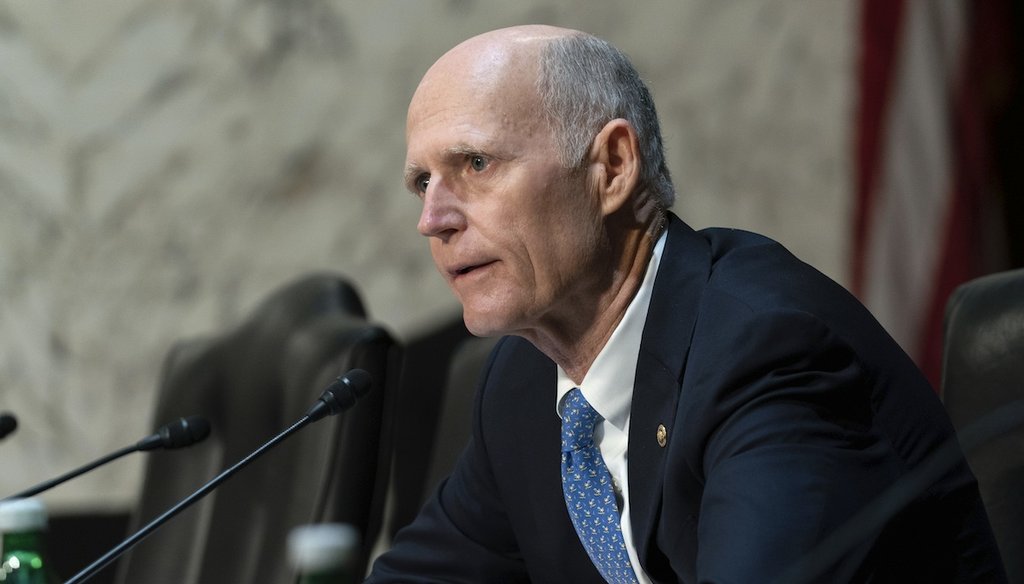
921	161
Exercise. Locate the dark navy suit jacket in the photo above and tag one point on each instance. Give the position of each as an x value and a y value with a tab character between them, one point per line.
789	410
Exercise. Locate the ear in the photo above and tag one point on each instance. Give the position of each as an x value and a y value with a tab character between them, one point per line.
615	164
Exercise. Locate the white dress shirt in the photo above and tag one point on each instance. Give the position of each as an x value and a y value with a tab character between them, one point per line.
608	386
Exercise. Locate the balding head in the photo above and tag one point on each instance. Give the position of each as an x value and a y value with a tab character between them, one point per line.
500	67
507	50
498	47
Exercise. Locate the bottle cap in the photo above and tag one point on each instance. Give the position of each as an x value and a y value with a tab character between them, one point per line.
322	546
22	515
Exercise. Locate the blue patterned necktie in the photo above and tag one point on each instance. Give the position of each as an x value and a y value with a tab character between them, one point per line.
588	491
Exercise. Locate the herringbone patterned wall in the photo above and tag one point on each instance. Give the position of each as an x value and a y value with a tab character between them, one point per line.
165	164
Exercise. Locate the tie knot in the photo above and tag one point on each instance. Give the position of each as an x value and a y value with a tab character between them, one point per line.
578	421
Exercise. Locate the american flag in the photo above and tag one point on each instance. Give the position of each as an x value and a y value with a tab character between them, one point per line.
926	217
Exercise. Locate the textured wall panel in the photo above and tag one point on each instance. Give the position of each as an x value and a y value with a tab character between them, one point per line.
164	165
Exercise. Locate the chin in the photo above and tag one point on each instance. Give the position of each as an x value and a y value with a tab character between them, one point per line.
484	324
479	330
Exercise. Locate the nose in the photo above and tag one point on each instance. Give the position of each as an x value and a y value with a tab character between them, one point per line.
442	215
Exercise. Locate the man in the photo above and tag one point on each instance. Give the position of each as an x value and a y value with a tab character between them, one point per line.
746	407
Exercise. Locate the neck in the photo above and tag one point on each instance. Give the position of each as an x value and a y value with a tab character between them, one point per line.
575	345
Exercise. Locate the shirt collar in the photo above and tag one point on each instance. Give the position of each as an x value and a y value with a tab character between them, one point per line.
608	385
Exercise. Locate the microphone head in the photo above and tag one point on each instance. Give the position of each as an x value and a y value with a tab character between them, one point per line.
341	394
184	432
8	424
178	434
356	381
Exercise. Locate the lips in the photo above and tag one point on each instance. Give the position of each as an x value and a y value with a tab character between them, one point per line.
466	269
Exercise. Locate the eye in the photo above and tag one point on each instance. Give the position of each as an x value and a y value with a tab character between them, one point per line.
478	163
421	183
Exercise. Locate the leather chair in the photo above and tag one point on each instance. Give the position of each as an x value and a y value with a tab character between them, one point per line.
251	383
454	424
983	391
440	370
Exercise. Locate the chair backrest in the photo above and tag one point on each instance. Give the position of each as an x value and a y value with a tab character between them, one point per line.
440	369
983	373
251	383
454	424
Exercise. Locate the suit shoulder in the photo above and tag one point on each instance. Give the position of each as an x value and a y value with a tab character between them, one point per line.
762	274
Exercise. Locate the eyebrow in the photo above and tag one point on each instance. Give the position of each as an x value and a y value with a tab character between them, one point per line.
412	170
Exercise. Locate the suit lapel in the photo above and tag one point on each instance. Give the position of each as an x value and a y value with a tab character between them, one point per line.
682	274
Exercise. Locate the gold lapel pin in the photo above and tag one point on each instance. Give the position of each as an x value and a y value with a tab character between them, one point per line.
662	435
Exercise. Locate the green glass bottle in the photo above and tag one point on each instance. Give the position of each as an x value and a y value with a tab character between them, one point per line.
323	553
23	524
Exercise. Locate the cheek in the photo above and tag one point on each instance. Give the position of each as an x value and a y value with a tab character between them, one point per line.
570	236
547	270
548	245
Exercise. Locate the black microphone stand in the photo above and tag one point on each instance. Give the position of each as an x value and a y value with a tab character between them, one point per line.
184	432
136	537
72	474
339	396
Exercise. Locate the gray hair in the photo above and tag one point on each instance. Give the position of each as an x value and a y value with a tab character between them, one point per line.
585	82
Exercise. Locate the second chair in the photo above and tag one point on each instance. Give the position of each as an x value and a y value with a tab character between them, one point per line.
251	383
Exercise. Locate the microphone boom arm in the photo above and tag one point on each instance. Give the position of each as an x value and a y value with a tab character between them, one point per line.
72	474
340	395
178	434
139	535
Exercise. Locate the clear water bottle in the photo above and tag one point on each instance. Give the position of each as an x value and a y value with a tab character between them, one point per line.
324	553
23	523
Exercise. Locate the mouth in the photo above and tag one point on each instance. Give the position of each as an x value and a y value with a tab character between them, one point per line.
464	270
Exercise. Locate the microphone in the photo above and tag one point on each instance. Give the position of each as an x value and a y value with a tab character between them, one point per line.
340	395
8	424
178	434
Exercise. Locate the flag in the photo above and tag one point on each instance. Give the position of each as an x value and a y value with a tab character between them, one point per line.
922	162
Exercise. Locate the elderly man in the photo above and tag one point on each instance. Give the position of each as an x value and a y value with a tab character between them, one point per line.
669	405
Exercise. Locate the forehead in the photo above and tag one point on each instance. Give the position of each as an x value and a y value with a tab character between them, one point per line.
481	85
